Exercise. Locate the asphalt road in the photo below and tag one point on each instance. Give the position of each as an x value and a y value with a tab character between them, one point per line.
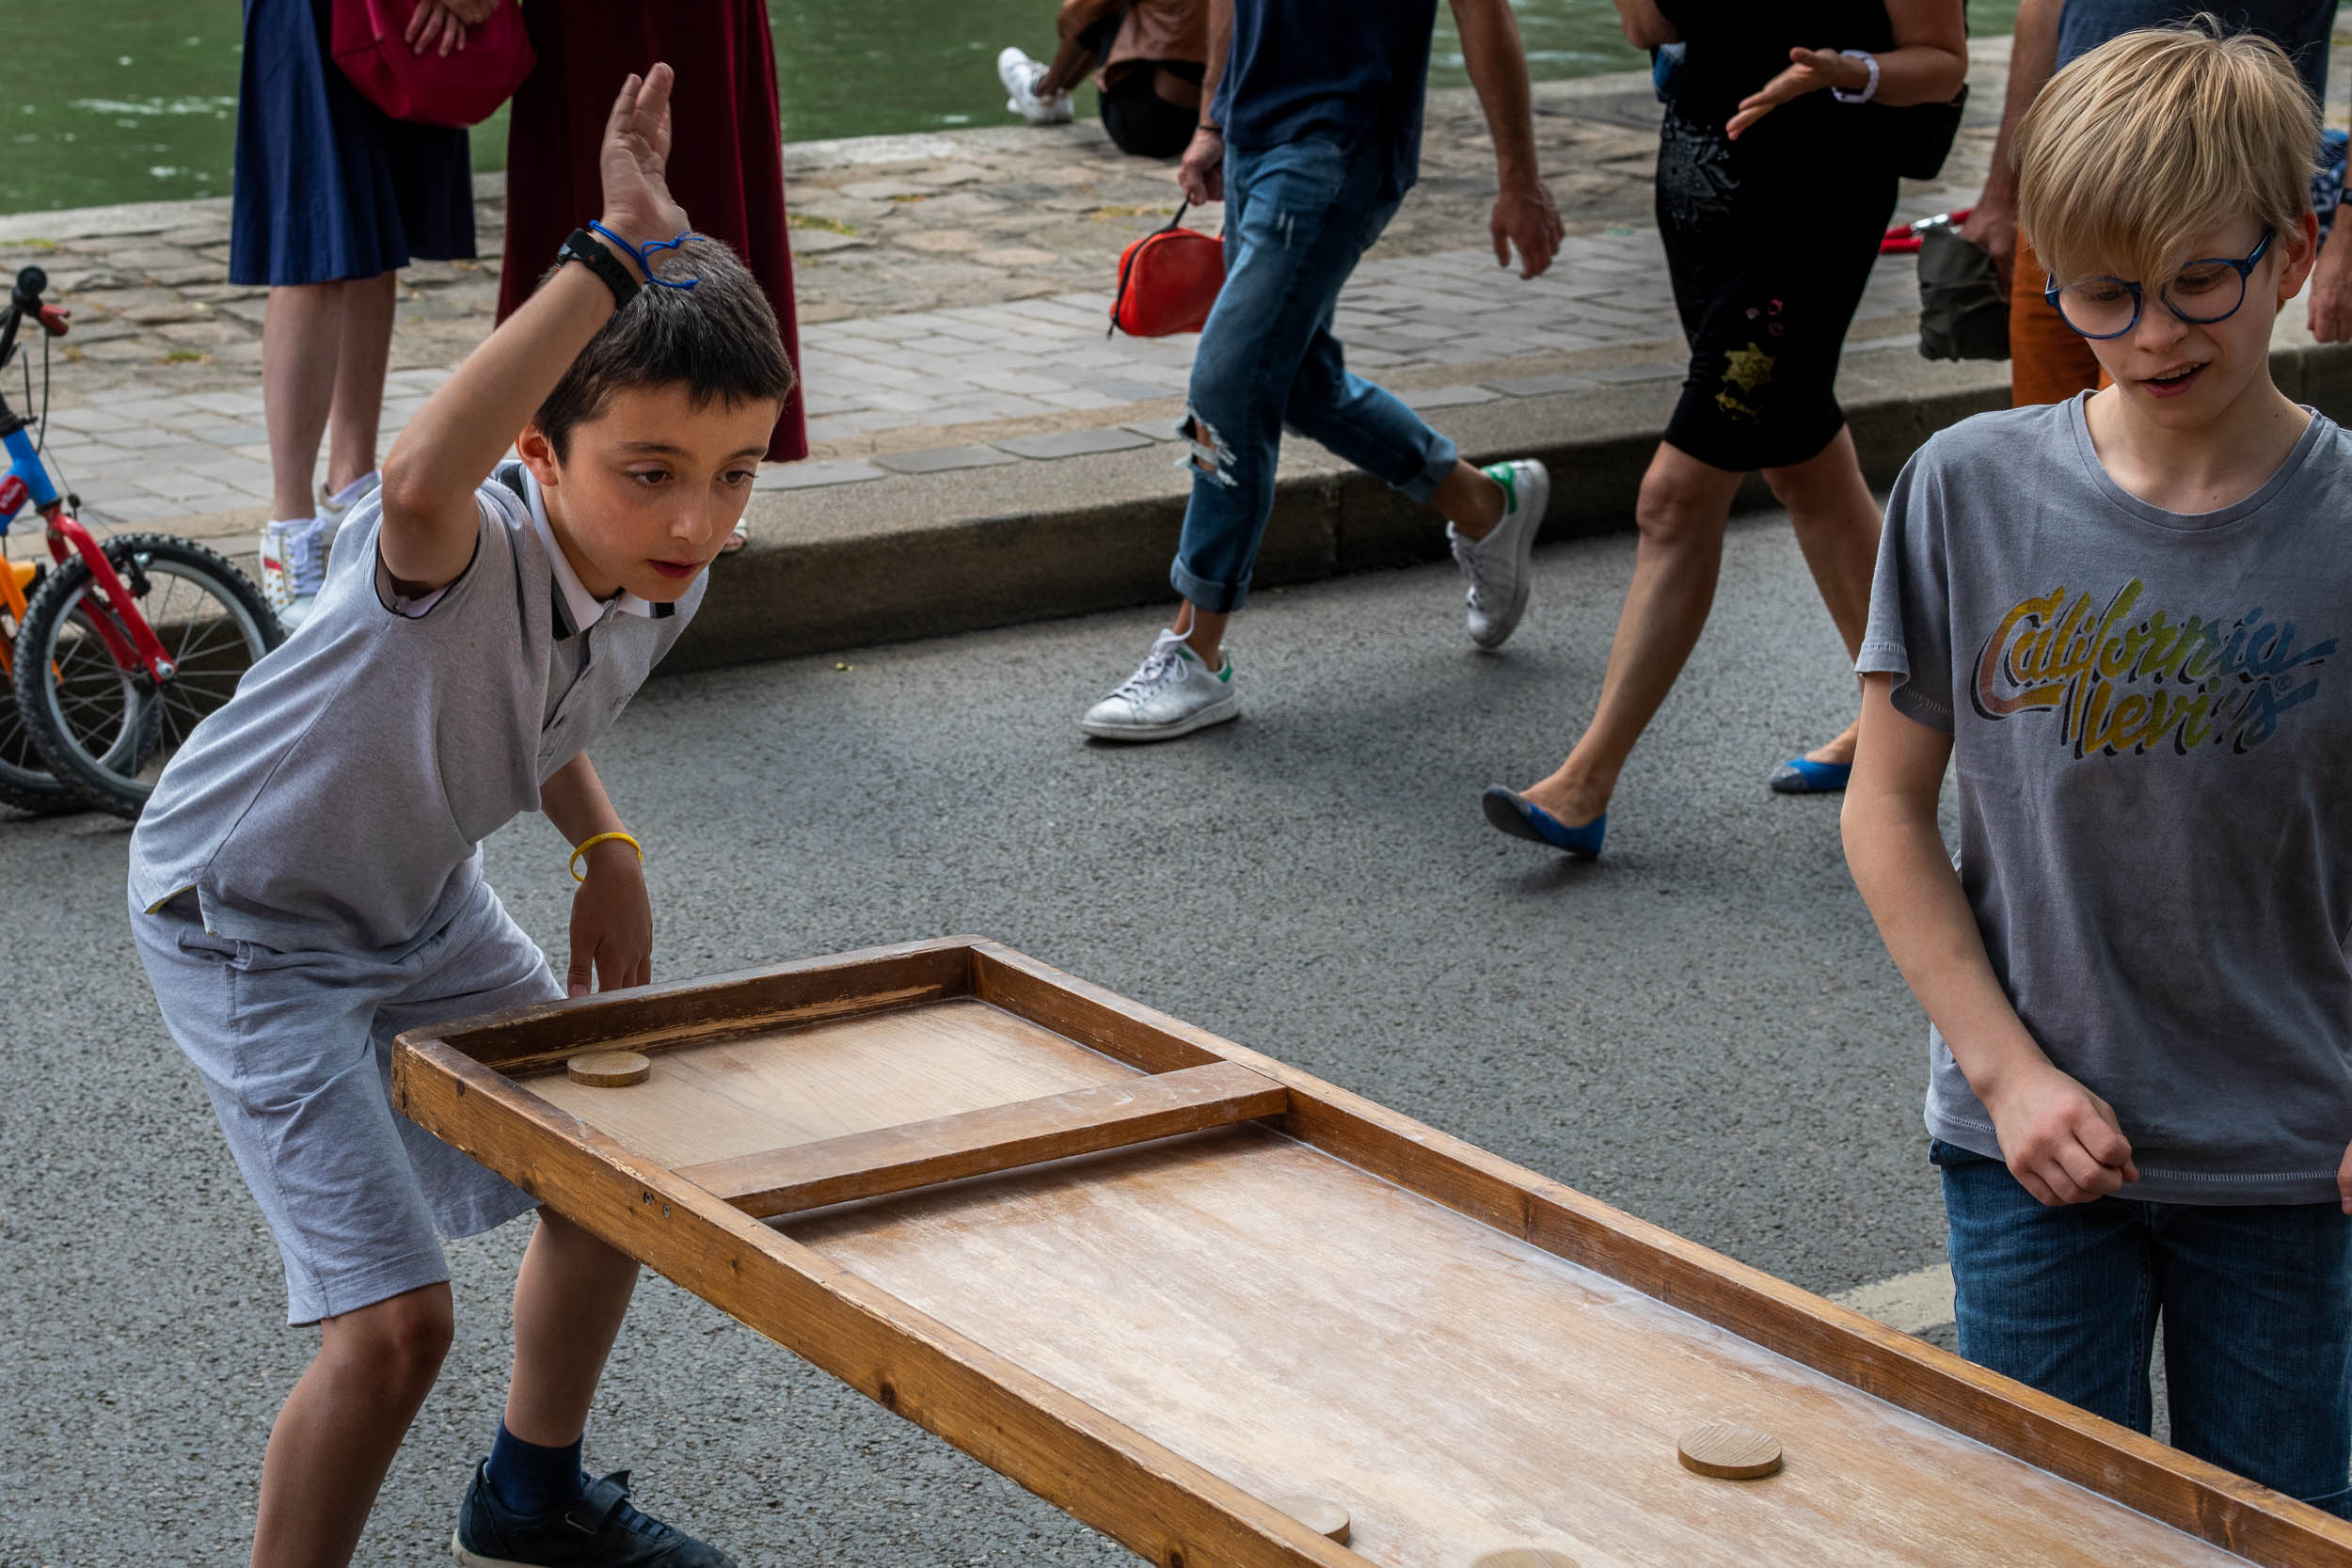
1702	1028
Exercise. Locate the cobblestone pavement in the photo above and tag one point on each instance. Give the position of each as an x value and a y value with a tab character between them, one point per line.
952	289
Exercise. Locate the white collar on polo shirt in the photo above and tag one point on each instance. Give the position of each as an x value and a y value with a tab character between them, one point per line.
585	607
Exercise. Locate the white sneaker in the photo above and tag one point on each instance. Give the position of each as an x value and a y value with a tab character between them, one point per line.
332	507
1173	693
1495	566
302	554
1021	75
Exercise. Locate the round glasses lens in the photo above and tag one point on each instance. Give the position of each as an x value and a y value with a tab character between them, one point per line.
2206	292
2098	307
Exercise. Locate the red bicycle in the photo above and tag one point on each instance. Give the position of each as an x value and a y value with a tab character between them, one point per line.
122	646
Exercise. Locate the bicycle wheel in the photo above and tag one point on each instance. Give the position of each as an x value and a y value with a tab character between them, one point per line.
106	730
25	782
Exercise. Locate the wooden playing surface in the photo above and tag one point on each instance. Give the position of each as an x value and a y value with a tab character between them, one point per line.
1217	1306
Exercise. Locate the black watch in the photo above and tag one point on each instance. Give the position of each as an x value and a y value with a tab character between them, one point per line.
583	247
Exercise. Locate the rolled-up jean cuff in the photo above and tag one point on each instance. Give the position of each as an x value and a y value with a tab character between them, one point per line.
1215	598
1443	454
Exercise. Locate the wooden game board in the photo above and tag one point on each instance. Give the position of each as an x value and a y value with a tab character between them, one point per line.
1161	1280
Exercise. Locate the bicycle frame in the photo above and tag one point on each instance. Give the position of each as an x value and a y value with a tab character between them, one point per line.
130	640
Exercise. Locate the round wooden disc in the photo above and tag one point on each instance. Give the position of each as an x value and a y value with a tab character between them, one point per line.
1526	1556
608	1070
1733	1452
1322	1517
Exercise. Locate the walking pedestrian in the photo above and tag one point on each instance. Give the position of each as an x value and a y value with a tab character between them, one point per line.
2048	361
332	198
1313	137
1776	176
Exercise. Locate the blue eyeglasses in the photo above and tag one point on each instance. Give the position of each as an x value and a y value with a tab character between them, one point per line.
2202	293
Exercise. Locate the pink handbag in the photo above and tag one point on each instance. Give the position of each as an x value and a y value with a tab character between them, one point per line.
463	88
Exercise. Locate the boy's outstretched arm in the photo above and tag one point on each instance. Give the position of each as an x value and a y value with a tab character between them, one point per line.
2060	1140
611	914
430	515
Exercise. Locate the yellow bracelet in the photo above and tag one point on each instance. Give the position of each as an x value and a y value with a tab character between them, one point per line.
588	844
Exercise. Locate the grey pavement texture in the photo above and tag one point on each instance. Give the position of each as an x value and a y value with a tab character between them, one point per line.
1702	1028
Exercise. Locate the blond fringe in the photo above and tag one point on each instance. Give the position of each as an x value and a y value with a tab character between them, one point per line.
2154	137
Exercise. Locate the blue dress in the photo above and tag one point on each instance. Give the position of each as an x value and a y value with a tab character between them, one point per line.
328	186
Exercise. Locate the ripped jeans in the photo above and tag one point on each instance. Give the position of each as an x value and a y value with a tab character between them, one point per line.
1297	219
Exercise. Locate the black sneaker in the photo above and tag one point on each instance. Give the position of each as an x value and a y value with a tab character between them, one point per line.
600	1530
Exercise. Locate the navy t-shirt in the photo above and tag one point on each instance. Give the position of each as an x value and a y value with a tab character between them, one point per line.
1356	70
2298	26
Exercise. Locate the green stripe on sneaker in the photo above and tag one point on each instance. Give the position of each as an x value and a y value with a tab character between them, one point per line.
1506	475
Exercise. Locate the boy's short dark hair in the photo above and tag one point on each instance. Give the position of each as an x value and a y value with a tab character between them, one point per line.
718	340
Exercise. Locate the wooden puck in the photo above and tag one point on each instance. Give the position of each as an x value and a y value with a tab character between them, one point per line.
1321	1516
1733	1452
1526	1556
608	1070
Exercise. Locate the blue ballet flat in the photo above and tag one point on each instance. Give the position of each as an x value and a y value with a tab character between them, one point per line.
1514	814
1800	776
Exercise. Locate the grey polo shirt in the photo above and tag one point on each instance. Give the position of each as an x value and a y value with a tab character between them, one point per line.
341	797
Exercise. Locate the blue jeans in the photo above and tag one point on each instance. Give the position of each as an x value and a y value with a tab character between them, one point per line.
1297	219
2256	1303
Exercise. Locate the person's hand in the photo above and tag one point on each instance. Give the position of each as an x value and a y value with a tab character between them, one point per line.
1992	227
1202	172
2063	1142
2344	1180
2331	291
473	13
1524	217
437	25
637	201
1810	71
611	922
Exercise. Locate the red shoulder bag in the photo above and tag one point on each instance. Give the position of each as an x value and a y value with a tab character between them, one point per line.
1168	280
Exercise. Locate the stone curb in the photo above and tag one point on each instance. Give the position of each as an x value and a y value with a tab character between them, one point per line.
931	554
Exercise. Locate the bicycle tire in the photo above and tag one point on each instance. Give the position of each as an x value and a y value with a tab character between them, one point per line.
25	781
107	733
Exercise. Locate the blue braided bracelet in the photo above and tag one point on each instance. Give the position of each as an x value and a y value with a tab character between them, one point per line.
645	253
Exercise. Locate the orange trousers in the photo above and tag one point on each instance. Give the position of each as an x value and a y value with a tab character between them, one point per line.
2048	361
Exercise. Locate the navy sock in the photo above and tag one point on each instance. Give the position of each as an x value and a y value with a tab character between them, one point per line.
532	1481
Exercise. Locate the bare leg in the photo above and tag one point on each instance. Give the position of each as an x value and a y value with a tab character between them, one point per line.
1838	527
1683	508
1469	500
365	349
569	1300
301	336
342	1423
1204	631
1068	67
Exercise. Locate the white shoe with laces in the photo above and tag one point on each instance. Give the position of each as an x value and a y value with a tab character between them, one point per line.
1021	75
271	557
1173	693
1495	566
302	551
332	506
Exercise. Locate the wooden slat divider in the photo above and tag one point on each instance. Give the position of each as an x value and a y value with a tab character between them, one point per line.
1000	1138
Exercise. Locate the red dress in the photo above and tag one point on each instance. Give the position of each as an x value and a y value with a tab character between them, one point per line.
727	154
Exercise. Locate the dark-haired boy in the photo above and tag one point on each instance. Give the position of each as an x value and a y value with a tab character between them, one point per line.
307	881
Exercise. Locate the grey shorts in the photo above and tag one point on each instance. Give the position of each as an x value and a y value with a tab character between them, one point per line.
295	1049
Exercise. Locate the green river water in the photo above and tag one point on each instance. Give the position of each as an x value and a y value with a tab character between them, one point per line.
135	99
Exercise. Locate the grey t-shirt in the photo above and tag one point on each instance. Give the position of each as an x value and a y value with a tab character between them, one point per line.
341	797
2152	747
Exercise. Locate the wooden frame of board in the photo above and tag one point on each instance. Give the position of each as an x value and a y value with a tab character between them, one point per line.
701	1225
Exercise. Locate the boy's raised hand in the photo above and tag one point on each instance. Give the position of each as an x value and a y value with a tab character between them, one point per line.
2063	1142
636	200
